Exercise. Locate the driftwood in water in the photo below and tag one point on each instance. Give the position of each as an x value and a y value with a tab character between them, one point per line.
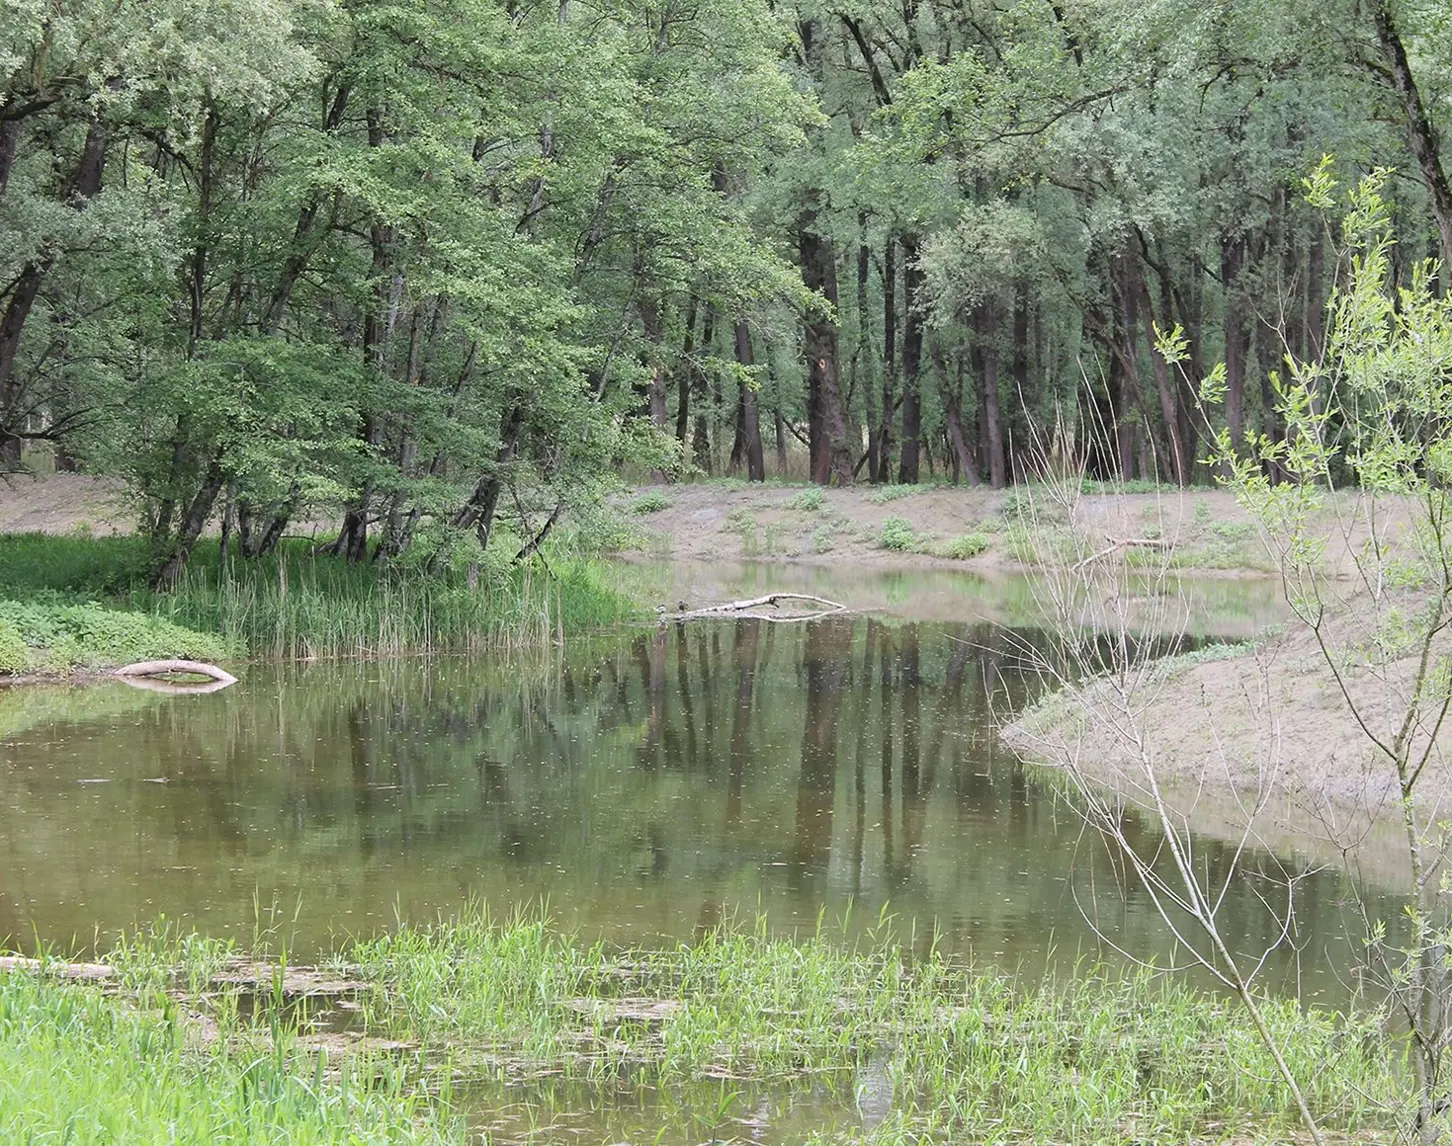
752	609
1118	543
62	970
149	675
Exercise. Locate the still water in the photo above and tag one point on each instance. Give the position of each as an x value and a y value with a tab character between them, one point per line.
644	786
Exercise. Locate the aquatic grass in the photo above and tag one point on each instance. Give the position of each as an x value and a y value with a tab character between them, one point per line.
79	1066
965	1055
297	604
300	606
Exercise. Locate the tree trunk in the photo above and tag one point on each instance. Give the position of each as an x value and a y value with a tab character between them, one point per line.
985	361
889	362
1164	383
950	394
683	391
912	358
833	460
80	189
700	436
1237	338
1421	131
749	418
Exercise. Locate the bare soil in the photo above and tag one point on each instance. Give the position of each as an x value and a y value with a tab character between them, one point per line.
63	503
1266	741
711	521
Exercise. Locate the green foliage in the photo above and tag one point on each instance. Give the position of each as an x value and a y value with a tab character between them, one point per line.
62	637
809	500
965	546
84	1067
887	493
898	534
971	1054
652	502
15	654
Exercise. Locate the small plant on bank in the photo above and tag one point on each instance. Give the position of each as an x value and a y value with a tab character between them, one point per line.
14	652
898	534
653	501
809	500
884	494
965	546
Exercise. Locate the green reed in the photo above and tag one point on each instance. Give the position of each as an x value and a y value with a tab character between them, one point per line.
300	605
81	1067
965	1055
297	604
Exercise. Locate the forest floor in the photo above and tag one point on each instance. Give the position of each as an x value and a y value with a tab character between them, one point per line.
889	527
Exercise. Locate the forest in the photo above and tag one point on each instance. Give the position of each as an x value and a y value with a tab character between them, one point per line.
424	264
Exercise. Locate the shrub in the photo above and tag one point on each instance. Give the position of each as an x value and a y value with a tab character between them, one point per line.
91	636
966	546
897	533
808	499
652	502
14	655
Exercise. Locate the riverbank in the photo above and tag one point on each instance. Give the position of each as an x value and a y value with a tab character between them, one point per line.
77	602
412	1036
1261	725
875	527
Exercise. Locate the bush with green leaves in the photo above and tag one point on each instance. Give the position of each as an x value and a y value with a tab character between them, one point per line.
898	534
965	546
810	499
652	502
65	636
14	653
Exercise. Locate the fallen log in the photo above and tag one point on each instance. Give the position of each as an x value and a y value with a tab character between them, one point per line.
751	609
145	670
1118	543
62	970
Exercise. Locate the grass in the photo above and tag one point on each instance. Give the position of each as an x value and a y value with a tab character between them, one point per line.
966	1056
76	601
78	1066
809	500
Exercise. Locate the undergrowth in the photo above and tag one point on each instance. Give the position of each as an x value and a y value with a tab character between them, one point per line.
965	1056
83	602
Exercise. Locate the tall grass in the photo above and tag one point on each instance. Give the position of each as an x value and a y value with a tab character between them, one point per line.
79	1067
965	1056
300	604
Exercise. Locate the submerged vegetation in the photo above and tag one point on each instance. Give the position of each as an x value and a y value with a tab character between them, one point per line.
961	1054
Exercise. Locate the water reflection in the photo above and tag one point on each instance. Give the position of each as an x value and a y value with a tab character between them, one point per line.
645	790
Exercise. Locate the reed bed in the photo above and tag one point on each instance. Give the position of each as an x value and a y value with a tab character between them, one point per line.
939	1052
77	1066
295	605
963	1055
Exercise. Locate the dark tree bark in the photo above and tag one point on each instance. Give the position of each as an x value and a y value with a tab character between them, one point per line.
749	417
1421	131
683	390
912	359
950	388
889	362
700	436
1237	337
79	190
833	458
985	362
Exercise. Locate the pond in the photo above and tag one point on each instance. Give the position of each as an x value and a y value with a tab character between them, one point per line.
644	786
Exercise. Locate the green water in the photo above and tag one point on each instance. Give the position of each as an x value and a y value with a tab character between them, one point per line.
646	785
